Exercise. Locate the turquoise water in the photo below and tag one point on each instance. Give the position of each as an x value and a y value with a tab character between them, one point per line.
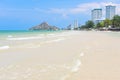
11	37
22	37
15	33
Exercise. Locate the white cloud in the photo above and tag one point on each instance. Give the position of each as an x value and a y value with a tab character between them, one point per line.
83	9
60	11
118	9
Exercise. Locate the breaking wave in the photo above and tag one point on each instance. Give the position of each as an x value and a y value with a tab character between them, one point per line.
4	47
24	38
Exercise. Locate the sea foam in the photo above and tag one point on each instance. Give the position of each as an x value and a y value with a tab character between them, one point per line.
4	47
24	38
9	36
55	40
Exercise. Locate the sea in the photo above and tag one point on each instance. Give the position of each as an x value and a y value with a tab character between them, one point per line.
14	37
9	38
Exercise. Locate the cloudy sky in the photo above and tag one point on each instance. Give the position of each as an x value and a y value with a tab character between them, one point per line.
23	14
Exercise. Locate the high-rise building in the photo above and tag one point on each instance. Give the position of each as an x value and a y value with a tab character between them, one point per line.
96	15
110	11
75	24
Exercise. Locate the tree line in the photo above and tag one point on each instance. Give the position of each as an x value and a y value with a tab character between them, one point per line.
107	23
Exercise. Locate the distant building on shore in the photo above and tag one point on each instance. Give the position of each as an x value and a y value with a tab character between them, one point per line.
96	15
110	11
75	24
69	27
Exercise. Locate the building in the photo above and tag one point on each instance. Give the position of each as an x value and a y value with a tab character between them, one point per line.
75	24
110	11
96	15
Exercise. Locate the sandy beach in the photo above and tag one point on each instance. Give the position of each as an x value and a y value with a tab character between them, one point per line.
71	55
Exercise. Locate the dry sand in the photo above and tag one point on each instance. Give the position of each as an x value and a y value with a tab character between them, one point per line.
79	56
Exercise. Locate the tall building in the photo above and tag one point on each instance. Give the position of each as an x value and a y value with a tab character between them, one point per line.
75	24
110	11
96	15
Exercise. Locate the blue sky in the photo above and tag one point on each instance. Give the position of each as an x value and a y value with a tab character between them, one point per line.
23	14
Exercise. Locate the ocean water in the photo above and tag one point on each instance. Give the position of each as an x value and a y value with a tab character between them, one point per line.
14	37
23	33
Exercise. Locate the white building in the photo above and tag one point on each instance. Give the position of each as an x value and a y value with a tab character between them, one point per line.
75	24
110	11
96	15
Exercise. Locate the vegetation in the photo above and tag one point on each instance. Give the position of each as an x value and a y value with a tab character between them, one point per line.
89	25
107	22
98	25
114	23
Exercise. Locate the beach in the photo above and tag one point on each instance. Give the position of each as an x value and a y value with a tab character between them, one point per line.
67	55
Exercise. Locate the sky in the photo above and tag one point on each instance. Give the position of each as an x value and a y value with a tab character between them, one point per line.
23	14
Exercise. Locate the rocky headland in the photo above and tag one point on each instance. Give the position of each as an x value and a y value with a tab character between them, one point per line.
44	26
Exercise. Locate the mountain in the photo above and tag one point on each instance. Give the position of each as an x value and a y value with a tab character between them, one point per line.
44	26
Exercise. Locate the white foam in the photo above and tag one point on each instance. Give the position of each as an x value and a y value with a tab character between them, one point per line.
51	34
24	38
55	40
4	47
76	67
9	36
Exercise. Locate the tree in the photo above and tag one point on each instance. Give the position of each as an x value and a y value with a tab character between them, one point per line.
107	23
98	25
89	24
82	27
102	24
116	21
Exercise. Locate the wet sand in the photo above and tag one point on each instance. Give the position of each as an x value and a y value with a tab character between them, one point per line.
78	56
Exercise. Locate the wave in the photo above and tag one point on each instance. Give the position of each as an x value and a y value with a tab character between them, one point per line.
4	47
55	40
51	35
9	36
24	38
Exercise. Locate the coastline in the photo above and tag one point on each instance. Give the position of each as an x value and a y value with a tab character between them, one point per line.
77	55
